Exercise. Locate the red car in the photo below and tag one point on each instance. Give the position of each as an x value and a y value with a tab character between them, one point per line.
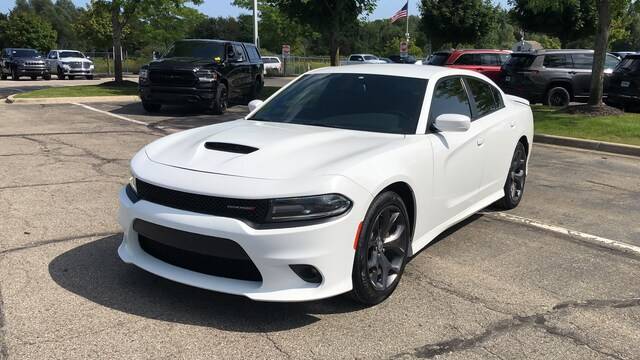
487	62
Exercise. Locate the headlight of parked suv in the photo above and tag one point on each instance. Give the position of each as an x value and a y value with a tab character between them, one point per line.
206	75
308	207
144	73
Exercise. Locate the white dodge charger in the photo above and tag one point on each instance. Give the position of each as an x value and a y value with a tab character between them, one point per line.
327	187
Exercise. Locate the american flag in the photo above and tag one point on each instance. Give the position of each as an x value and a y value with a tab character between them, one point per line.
402	13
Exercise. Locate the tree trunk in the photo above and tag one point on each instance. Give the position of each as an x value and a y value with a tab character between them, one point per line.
117	43
334	49
600	53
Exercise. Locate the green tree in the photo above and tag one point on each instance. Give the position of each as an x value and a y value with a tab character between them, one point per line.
334	20
457	21
228	28
25	29
123	12
61	15
568	20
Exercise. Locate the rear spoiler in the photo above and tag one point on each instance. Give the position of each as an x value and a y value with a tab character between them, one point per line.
517	99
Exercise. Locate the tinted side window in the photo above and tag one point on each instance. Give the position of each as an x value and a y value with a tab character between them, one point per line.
611	62
582	61
504	58
557	61
450	97
489	59
483	96
239	52
467	59
254	56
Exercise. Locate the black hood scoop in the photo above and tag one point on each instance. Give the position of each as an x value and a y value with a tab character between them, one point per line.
226	147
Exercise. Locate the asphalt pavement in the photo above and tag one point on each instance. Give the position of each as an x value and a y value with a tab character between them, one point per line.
490	288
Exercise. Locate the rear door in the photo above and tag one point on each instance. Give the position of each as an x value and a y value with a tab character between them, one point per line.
496	131
582	64
239	75
257	66
458	158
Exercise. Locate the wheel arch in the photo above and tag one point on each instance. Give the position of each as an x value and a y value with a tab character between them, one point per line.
407	195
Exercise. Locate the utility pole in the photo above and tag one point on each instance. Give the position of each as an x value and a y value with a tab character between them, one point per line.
255	24
407	33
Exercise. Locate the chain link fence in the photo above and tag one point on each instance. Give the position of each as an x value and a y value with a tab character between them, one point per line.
296	65
103	62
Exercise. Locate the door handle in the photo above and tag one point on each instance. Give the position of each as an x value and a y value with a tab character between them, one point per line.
480	141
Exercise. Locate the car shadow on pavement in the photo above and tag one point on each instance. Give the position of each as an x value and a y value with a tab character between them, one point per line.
95	272
180	117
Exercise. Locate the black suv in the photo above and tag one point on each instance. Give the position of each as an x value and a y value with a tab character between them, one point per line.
22	62
624	84
213	73
552	77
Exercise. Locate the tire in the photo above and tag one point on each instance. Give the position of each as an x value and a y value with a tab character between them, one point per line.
89	77
255	92
3	76
378	265
558	96
71	77
60	74
47	77
221	101
516	179
14	75
151	107
34	78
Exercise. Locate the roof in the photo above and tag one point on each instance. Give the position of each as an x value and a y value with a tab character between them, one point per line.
404	70
483	51
633	56
66	50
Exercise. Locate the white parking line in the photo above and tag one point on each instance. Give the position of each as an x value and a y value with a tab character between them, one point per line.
578	235
111	114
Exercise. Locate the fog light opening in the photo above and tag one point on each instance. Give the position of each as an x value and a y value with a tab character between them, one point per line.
307	273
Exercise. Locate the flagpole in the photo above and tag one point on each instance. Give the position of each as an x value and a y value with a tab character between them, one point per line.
407	33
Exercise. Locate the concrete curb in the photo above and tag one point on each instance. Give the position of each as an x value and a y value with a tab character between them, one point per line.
68	100
588	144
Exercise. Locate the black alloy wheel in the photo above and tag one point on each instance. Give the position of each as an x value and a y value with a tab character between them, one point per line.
14	74
558	97
60	74
514	186
382	251
221	101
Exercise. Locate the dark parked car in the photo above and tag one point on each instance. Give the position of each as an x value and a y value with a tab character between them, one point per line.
487	62
622	54
212	73
397	59
22	62
552	77
624	84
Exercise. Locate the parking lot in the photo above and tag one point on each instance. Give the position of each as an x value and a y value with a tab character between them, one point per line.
512	286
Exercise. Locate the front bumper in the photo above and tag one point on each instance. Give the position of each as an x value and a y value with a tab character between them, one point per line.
78	72
32	71
327	246
176	95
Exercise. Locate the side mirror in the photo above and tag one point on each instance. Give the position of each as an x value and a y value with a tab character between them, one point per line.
452	123
254	104
155	55
88	57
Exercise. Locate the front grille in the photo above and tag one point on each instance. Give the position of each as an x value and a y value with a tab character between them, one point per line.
252	210
172	78
200	253
34	63
75	64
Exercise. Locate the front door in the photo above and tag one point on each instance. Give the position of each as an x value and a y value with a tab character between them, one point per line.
458	160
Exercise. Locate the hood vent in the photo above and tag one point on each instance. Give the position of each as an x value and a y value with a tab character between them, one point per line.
233	148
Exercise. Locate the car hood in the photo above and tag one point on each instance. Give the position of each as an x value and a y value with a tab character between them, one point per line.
75	59
268	150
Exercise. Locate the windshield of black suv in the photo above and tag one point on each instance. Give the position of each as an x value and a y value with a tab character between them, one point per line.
438	59
520	61
24	53
378	103
197	49
629	65
71	54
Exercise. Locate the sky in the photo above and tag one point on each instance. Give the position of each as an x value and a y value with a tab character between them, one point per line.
214	8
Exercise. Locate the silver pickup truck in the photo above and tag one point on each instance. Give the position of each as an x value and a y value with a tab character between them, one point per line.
69	63
355	59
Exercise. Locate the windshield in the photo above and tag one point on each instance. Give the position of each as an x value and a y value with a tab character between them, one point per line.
197	49
349	101
370	57
24	53
630	65
520	60
438	59
71	54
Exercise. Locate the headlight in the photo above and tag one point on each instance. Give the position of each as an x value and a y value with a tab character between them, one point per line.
91	67
66	66
307	208
206	75
144	73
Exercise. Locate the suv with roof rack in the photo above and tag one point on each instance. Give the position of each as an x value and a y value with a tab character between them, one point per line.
211	73
552	77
